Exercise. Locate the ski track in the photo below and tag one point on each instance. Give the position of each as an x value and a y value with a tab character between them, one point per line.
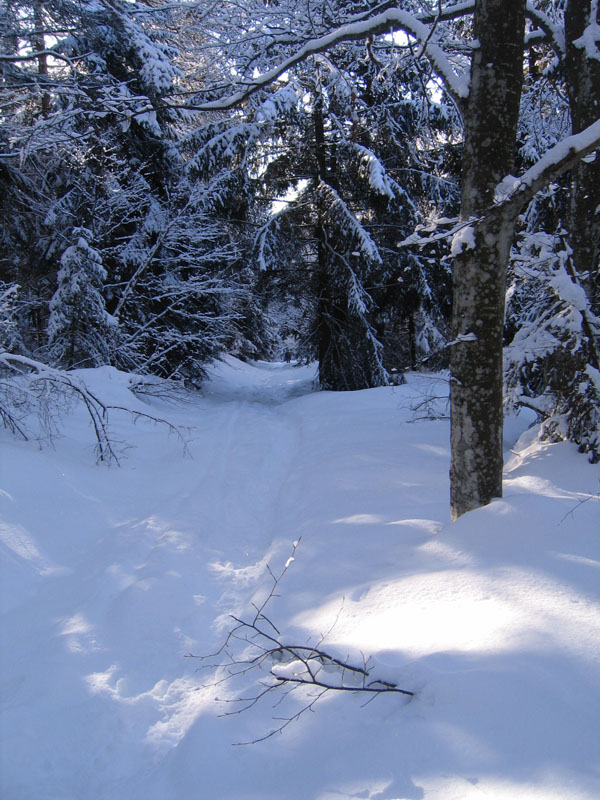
194	549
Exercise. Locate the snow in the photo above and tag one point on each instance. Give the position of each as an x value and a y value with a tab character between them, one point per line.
348	223
463	239
507	187
457	83
375	171
281	102
463	337
590	38
111	576
569	291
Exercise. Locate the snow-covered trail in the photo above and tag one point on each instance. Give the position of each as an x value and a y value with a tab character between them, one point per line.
134	571
112	576
143	564
248	456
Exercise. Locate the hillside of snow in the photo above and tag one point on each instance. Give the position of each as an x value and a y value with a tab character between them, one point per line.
113	576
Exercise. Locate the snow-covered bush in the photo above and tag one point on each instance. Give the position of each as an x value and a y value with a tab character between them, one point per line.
552	360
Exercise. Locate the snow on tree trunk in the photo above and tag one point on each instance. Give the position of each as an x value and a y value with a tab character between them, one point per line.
481	256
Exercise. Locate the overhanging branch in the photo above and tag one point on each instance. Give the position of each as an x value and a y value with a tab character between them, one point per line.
389	21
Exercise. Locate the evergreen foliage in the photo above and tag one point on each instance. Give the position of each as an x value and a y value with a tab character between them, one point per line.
78	326
552	359
149	223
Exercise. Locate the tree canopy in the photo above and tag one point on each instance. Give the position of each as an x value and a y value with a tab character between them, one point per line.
379	186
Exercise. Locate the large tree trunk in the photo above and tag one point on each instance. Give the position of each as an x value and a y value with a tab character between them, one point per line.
583	84
482	254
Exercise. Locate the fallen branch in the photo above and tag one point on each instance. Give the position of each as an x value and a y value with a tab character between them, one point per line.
257	644
33	390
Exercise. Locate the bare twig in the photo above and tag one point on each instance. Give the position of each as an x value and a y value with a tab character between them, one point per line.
257	644
578	505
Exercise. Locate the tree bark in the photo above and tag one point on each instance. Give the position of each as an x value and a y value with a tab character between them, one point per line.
479	273
583	86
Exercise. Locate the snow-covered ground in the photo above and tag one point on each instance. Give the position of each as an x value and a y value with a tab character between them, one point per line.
112	576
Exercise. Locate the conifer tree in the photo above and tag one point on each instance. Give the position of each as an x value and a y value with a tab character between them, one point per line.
79	328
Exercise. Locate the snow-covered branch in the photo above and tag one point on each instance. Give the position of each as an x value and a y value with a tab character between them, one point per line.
554	34
420	27
567	153
389	21
35	395
453	12
32	389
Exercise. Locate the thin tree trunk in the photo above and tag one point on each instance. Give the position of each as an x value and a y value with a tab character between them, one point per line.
479	273
325	301
412	340
39	44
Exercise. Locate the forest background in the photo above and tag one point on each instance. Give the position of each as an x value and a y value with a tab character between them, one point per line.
377	186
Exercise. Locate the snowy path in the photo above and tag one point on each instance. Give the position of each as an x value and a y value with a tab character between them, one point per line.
144	558
111	576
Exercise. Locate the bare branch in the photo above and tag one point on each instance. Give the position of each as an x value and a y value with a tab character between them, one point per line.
32	388
34	56
249	646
